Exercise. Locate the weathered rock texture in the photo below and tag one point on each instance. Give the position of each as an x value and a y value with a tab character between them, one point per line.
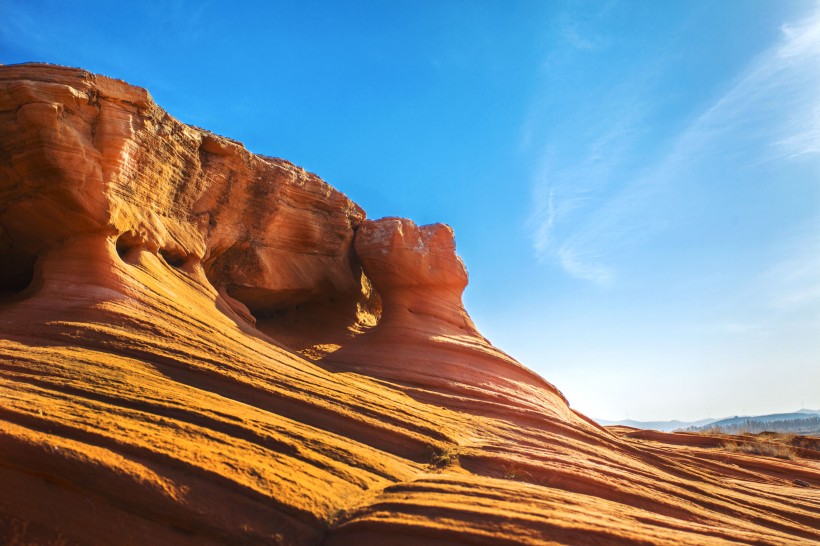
199	345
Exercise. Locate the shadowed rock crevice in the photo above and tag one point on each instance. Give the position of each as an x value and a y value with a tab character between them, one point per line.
128	246
16	272
175	258
311	322
17	267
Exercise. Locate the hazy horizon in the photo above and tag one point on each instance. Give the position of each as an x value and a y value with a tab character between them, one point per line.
706	417
634	186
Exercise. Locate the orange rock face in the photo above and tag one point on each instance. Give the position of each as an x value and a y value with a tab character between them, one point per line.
199	345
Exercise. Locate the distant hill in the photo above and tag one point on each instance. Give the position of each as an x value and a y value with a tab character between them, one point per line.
663	426
804	421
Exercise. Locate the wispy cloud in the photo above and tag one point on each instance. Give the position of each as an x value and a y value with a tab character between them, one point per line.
793	283
574	36
784	297
588	212
19	27
579	32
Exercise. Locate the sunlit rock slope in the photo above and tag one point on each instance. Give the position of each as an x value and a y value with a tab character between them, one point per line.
199	345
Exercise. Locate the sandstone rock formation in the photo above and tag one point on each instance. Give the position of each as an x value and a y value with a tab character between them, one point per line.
199	345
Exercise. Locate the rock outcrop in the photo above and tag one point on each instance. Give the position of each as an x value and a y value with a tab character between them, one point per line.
199	345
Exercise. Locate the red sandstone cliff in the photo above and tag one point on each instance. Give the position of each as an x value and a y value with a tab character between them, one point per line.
199	345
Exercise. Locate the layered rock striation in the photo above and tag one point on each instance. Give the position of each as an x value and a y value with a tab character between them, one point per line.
199	345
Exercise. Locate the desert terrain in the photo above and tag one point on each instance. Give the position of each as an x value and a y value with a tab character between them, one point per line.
199	345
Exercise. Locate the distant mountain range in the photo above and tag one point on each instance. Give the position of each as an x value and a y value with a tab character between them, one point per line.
803	420
799	422
663	426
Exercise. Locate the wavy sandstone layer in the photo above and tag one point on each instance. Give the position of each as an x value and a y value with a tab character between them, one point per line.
199	345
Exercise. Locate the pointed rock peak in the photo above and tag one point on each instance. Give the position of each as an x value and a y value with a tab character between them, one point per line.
415	269
396	252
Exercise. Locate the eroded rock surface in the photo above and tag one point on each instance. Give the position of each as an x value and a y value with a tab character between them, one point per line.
199	345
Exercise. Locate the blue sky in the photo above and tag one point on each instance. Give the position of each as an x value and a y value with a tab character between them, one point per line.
634	186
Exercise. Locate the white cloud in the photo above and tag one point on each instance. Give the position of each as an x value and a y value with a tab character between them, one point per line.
587	213
573	35
19	27
578	31
794	282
